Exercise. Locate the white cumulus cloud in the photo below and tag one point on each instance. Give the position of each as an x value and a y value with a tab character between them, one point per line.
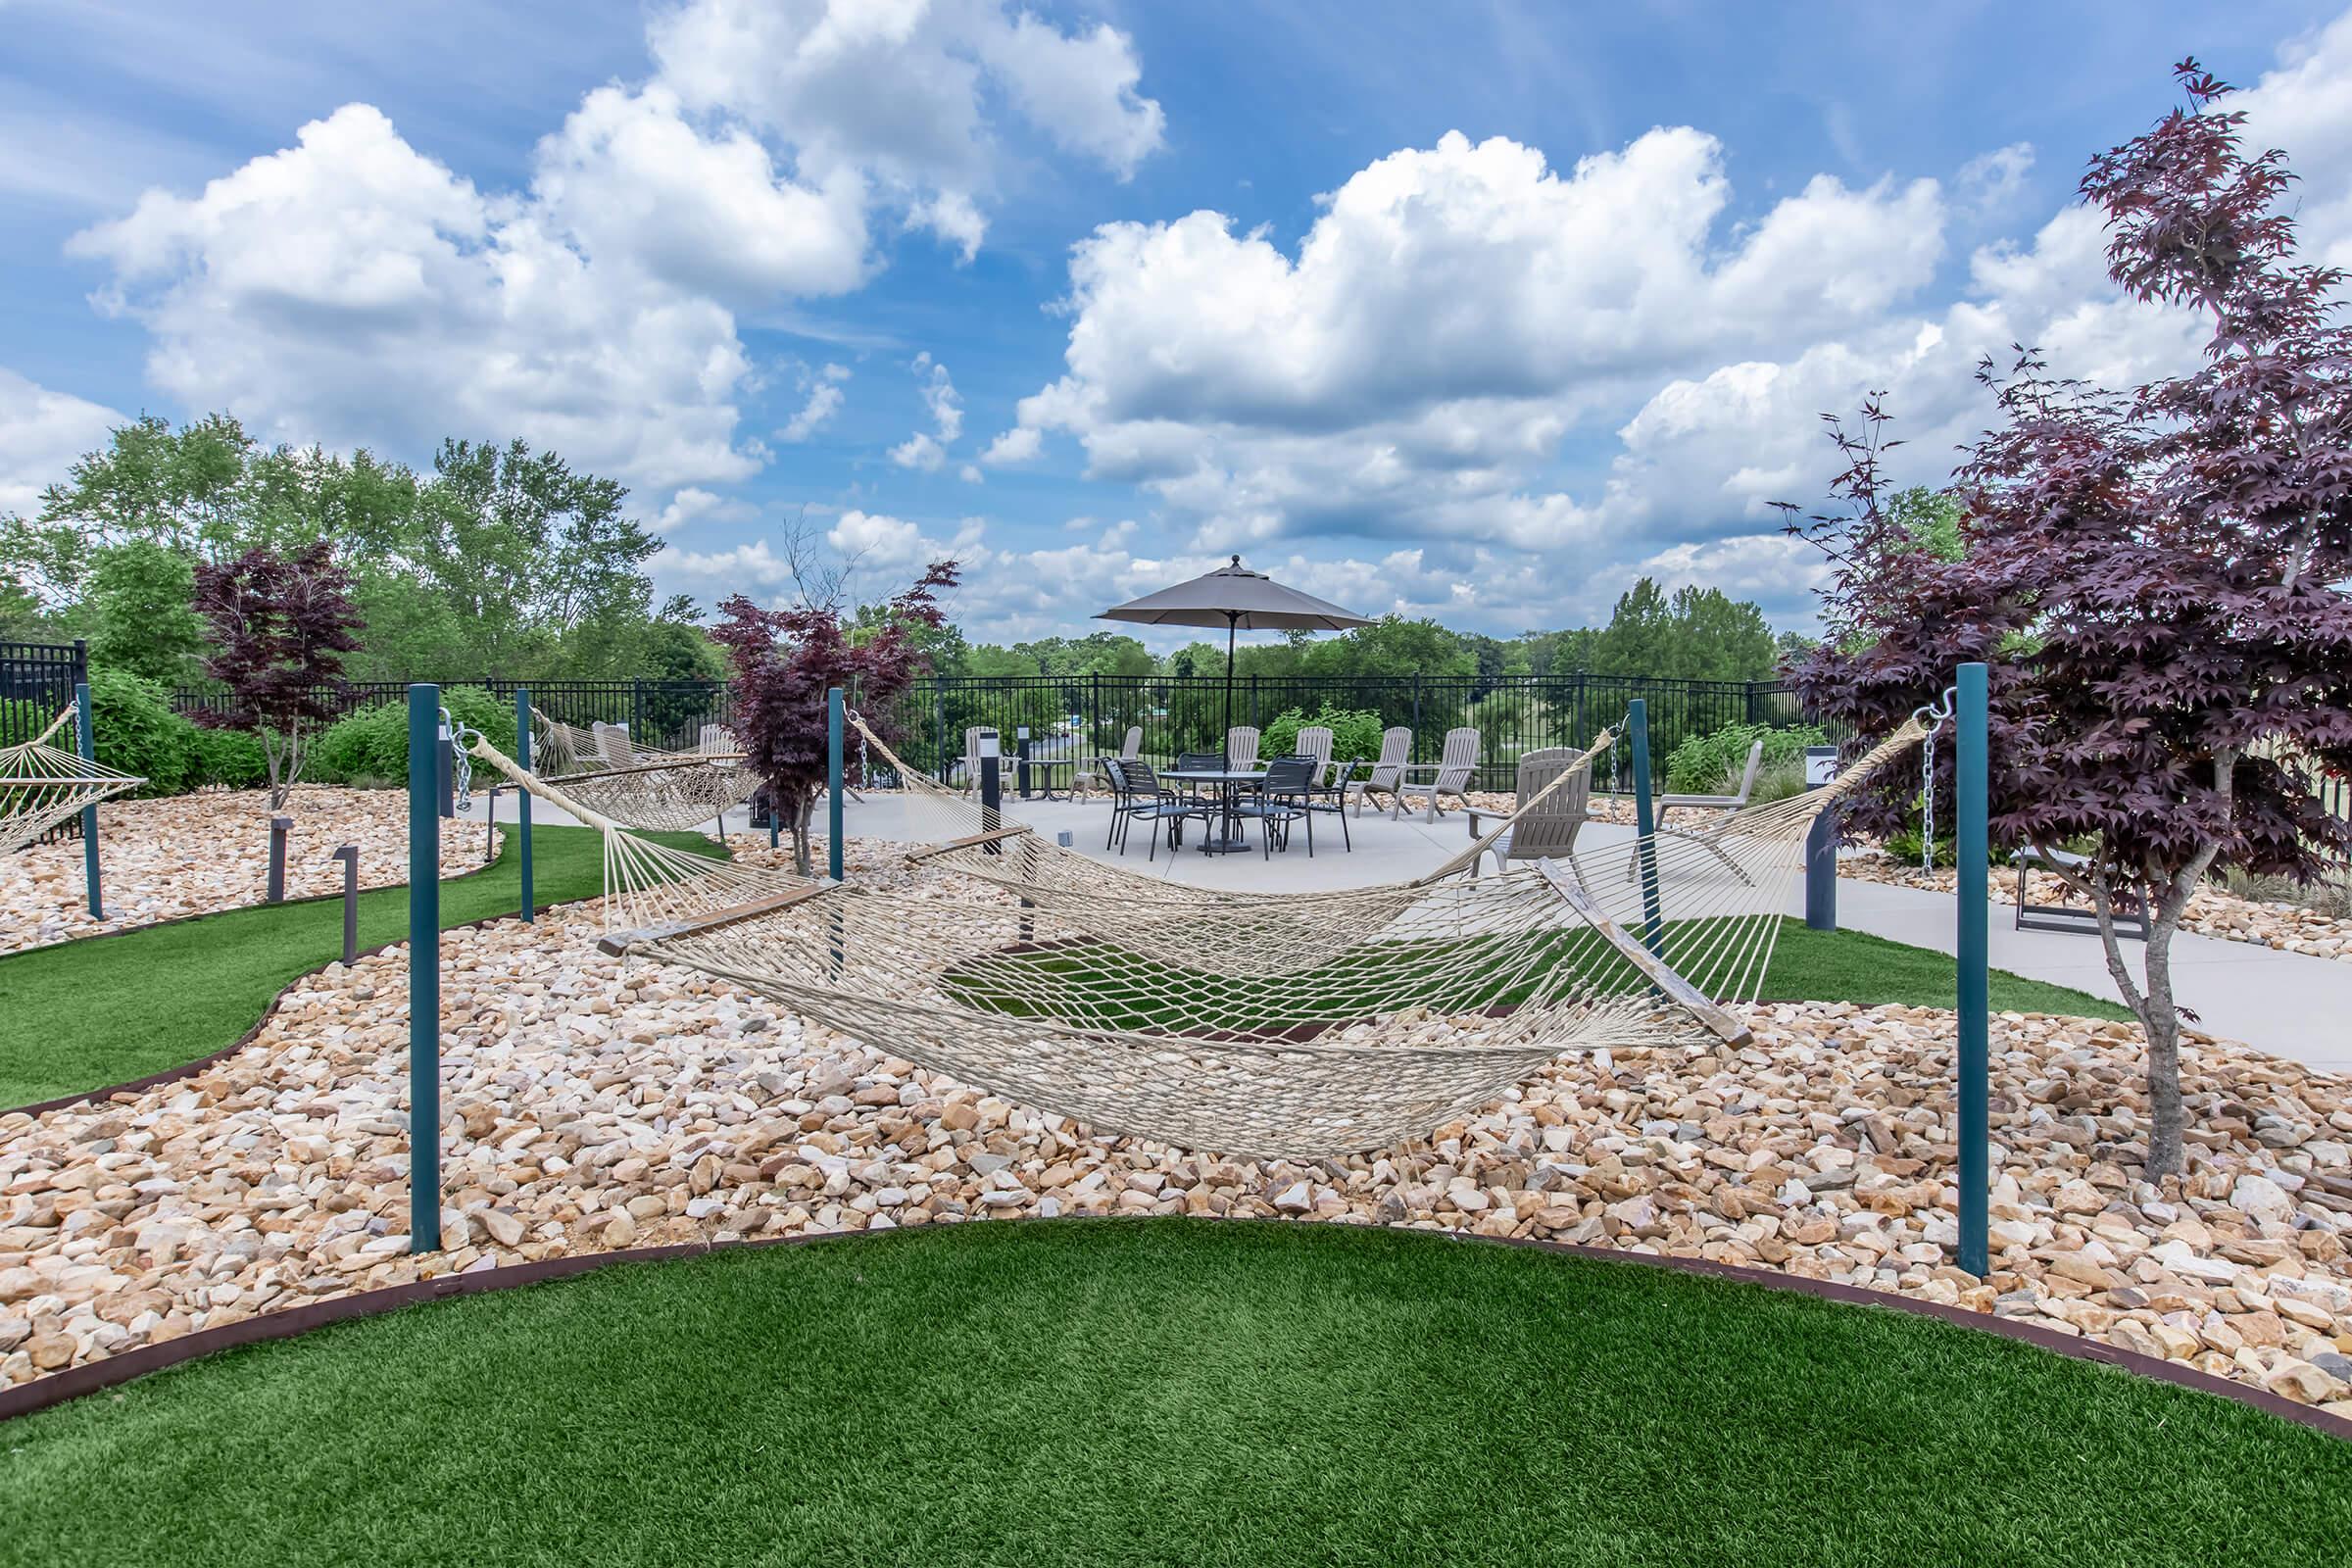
42	432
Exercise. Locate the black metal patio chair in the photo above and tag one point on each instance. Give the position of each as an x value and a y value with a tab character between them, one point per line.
1137	793
1280	799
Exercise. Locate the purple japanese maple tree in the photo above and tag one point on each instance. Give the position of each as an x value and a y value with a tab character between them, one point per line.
783	660
279	626
2153	576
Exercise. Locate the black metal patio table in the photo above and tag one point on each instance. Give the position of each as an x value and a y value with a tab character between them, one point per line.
1229	782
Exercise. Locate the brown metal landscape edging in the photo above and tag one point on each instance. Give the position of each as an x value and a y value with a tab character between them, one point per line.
59	1386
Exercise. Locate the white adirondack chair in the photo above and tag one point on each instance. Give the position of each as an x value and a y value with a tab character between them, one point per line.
1241	747
971	756
613	744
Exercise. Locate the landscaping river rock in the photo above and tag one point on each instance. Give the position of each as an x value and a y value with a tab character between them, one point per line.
198	853
594	1104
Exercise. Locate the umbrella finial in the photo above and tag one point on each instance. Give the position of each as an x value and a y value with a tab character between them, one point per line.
1237	561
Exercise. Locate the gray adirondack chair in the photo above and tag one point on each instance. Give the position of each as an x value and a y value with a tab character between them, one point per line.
1704	833
1450	774
1315	741
1719	803
1548	830
1388	774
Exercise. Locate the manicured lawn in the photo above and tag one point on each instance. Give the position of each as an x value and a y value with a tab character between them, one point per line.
106	1010
1125	989
1160	1391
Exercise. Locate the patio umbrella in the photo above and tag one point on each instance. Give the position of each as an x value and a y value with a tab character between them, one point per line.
1238	600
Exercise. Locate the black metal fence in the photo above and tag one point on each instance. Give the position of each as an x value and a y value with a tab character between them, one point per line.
1513	714
665	714
1086	714
37	681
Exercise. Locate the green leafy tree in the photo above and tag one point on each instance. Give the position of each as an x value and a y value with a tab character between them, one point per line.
139	611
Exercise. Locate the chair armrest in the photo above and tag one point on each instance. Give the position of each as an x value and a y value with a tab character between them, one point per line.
1720	802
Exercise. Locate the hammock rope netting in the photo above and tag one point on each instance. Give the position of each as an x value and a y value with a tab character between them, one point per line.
1296	1025
42	786
641	786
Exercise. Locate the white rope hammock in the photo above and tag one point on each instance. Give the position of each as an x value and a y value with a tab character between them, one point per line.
1300	1025
41	786
640	786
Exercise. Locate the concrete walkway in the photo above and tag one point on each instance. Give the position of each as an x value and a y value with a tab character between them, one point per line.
2287	1003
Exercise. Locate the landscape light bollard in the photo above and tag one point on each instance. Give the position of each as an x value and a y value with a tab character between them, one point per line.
279	827
992	789
1020	770
349	855
522	798
1645	847
425	745
87	743
1969	851
1821	845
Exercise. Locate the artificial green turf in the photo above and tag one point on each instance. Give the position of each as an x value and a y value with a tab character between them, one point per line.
1160	1391
1126	990
106	1010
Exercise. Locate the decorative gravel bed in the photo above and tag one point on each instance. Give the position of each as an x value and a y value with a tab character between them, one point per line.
2212	911
592	1107
197	853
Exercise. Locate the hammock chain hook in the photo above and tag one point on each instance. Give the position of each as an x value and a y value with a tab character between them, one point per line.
1935	716
460	761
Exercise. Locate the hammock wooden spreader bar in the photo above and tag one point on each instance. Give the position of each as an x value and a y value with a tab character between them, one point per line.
620	944
1572	892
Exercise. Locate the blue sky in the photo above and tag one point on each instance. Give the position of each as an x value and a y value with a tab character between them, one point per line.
1468	311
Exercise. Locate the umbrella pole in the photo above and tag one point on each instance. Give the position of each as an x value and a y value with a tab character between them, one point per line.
1225	740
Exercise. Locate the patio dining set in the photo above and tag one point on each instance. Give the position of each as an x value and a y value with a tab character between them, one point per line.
1224	792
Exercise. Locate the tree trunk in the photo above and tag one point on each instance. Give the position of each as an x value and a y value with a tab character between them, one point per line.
2160	1021
281	774
803	809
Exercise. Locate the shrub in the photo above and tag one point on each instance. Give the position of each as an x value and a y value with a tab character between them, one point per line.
230	759
138	733
371	745
1354	733
1700	764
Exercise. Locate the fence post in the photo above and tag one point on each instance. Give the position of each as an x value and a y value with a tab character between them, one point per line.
1653	932
1415	749
522	798
86	742
637	712
1821	845
425	969
833	781
1969	855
